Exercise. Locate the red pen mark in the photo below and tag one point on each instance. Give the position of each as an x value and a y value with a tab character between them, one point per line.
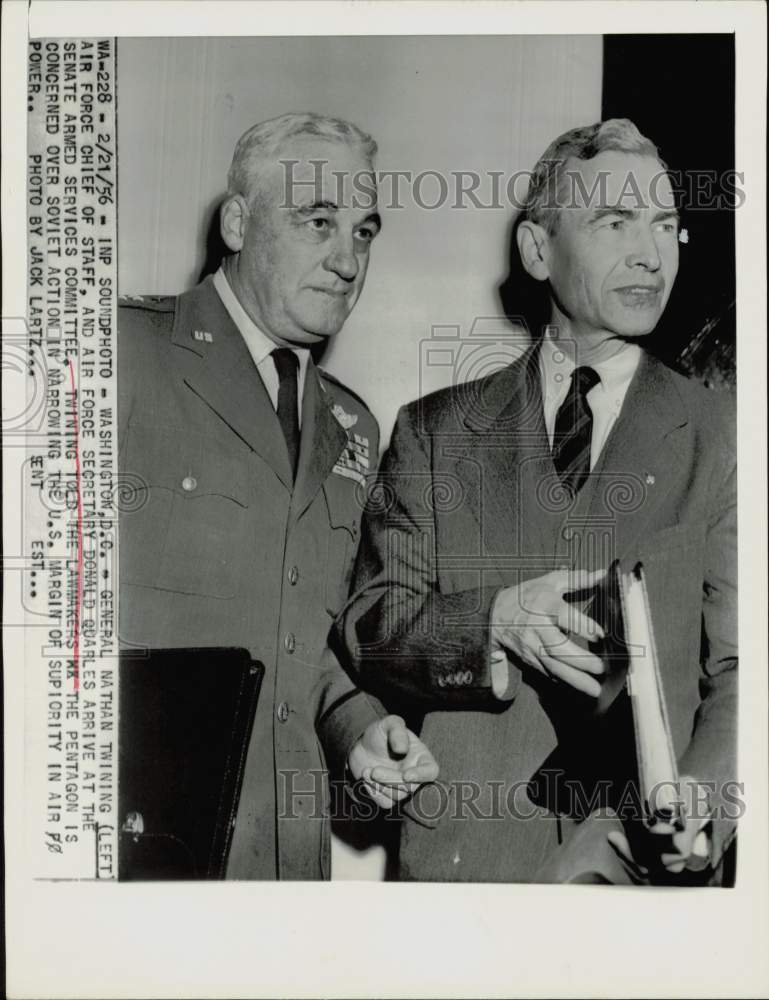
79	576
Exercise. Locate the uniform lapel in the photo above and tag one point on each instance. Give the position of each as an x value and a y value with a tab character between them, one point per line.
221	371
322	441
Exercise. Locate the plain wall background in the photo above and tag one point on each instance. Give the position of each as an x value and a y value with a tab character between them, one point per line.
432	103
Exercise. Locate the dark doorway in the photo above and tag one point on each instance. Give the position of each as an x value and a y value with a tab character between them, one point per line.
679	91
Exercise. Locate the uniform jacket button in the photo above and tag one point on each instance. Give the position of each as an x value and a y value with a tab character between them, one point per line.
289	642
189	483
282	712
293	575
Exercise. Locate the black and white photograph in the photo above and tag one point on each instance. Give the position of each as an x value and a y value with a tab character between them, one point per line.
477	587
371	499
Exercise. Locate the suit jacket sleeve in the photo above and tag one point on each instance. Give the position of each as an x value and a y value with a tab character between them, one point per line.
711	754
404	636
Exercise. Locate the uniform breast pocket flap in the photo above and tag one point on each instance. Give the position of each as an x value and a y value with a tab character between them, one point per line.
189	531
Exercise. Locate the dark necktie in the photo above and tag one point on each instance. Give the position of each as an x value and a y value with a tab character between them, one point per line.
573	431
286	365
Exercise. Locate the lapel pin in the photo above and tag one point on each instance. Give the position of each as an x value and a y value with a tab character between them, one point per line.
203	335
649	479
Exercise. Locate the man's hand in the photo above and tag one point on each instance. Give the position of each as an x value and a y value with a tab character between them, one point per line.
391	760
673	849
534	620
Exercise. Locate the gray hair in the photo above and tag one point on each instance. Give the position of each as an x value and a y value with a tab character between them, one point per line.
262	142
542	203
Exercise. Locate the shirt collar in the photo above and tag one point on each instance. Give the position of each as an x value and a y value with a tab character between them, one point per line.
556	367
259	345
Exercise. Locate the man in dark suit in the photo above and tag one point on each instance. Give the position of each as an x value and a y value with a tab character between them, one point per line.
482	594
246	460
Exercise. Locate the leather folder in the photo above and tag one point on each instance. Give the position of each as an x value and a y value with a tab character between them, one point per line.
185	721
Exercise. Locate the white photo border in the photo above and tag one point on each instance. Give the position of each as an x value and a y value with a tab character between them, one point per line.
358	939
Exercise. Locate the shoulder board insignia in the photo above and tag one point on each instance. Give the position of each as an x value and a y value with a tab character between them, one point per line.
158	303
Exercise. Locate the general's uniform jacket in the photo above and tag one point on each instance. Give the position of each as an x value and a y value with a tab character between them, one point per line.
466	502
217	549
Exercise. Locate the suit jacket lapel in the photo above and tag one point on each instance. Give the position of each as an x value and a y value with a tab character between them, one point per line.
523	518
221	371
640	460
323	439
511	494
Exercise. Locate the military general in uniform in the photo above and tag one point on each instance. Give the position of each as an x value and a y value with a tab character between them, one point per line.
248	459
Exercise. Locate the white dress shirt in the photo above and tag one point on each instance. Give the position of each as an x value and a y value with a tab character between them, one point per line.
259	345
606	397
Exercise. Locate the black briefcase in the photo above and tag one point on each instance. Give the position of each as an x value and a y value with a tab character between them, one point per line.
185	720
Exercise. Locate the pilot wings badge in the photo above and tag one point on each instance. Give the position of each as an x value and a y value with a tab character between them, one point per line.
347	420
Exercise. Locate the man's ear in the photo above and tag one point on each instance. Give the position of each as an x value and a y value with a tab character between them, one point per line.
233	218
532	246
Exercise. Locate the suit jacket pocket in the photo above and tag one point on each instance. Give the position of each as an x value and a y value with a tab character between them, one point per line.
658	544
673	565
186	529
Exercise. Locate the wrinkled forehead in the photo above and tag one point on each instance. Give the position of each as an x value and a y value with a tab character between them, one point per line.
306	170
630	181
